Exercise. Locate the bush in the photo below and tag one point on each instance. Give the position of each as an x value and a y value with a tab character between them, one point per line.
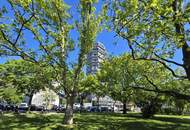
150	109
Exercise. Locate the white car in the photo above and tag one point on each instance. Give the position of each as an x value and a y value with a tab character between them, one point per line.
76	106
23	106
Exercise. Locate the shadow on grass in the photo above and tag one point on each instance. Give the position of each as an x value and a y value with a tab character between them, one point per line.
92	121
173	120
123	122
27	121
99	121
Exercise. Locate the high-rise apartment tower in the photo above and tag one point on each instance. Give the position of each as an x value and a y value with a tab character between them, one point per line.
95	57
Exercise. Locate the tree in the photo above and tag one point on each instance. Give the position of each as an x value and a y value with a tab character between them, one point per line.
114	74
48	98
180	106
50	24
143	82
86	86
10	95
25	77
91	85
154	30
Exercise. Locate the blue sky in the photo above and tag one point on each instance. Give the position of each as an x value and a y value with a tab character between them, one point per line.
107	38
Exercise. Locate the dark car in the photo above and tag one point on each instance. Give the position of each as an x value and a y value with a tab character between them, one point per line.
104	109
10	107
94	109
40	108
33	107
55	108
1	107
61	109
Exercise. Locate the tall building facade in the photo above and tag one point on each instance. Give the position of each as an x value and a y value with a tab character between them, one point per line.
95	57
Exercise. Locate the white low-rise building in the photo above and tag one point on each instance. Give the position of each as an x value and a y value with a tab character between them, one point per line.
46	98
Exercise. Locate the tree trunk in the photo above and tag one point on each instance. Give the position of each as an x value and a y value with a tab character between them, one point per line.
30	99
68	119
60	101
114	106
185	48
186	59
98	103
81	103
30	102
124	107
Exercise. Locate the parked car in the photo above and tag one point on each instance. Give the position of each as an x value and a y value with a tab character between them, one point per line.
10	107
61	108
23	107
55	108
1	111
94	109
33	107
2	107
76	106
40	108
104	109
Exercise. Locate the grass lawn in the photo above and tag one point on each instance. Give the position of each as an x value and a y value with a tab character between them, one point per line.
93	121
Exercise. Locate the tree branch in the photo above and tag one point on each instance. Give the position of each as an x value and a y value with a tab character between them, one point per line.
157	90
153	59
16	49
21	28
166	92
